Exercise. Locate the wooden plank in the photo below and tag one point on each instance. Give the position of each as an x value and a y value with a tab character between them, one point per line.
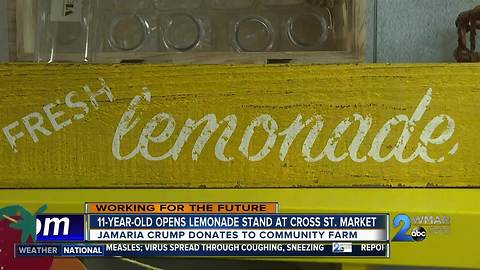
269	126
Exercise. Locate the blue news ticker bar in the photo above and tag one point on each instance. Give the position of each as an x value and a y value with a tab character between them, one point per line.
60	228
377	250
186	221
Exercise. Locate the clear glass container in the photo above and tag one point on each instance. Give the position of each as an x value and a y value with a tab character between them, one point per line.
167	30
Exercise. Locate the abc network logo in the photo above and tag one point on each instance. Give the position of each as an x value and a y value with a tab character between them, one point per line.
403	222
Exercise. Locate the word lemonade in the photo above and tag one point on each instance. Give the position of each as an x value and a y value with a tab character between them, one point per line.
438	131
443	126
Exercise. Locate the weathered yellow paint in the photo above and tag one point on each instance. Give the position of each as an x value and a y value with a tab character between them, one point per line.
438	250
80	155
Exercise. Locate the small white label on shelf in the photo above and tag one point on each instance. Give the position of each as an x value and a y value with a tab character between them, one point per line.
66	10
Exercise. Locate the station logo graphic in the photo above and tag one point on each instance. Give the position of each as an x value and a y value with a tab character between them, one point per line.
422	226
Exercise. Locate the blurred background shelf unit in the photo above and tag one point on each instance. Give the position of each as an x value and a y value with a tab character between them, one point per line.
203	31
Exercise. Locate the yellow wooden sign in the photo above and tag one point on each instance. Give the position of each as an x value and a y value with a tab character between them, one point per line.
74	126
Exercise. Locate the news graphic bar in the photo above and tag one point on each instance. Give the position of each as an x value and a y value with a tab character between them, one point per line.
236	235
217	229
239	221
181	208
211	228
225	249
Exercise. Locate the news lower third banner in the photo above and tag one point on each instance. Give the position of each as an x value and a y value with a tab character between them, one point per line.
209	230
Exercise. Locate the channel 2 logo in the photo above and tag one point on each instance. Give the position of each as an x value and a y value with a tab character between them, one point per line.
418	234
